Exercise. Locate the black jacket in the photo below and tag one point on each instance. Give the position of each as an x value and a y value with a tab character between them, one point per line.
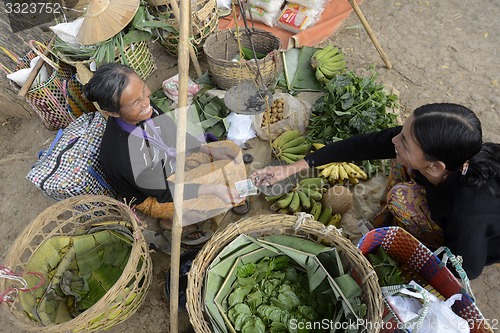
469	217
136	168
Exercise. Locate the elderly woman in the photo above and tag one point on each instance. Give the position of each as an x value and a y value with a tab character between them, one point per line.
444	185
138	152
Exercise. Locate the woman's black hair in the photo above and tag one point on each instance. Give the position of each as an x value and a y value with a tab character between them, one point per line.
107	85
452	133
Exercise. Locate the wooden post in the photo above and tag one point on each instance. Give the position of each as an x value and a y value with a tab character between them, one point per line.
183	65
192	52
370	33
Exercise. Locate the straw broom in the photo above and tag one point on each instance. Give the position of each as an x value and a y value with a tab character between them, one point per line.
183	65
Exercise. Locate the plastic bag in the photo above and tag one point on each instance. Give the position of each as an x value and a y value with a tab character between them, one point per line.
318	5
171	88
440	318
296	114
259	14
240	128
270	6
22	75
296	18
68	32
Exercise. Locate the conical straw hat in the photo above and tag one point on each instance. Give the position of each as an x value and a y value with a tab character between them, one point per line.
106	18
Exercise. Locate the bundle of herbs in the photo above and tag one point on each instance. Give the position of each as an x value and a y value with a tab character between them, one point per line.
351	105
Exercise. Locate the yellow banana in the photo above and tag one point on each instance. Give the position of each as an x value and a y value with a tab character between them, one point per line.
358	170
353	180
324	166
327	171
295	203
294	143
335	172
342	173
318	145
304	200
285	137
325	216
350	171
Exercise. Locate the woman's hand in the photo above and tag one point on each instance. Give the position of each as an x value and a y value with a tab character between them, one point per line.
273	174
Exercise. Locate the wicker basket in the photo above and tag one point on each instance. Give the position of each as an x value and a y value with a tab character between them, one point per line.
66	218
298	226
204	21
137	55
223	46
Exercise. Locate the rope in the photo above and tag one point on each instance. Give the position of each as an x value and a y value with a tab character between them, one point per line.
302	217
7	273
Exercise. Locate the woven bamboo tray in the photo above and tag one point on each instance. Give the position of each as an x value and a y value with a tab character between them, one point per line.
66	218
222	46
302	226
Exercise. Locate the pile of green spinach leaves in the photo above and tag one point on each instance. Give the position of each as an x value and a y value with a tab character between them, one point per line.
351	105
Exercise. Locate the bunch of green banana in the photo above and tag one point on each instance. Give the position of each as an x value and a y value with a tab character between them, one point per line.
328	62
301	198
324	215
290	147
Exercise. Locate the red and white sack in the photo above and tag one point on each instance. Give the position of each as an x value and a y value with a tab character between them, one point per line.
296	18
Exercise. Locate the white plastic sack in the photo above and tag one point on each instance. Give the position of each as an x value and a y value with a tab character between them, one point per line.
21	75
68	31
240	128
440	318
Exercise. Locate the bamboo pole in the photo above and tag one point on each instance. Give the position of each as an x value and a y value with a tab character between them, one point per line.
370	33
192	52
183	65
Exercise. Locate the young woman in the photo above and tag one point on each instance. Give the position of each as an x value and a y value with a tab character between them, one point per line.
138	147
444	185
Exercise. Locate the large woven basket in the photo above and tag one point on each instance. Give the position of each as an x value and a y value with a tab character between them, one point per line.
302	226
204	21
67	218
223	46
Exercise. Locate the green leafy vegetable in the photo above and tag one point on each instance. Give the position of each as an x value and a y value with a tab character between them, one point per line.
352	105
387	268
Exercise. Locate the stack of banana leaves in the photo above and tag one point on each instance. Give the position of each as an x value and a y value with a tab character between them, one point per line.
78	271
143	27
280	283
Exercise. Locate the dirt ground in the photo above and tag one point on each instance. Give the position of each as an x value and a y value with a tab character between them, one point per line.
441	50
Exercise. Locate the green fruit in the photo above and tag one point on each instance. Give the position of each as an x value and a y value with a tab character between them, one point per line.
325	215
304	200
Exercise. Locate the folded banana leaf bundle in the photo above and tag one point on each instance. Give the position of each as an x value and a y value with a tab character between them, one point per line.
78	270
280	283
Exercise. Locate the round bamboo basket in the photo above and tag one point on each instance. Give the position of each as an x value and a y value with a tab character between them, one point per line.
302	226
204	21
72	216
223	46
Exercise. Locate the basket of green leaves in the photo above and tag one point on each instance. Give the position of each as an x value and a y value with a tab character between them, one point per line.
81	266
282	273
